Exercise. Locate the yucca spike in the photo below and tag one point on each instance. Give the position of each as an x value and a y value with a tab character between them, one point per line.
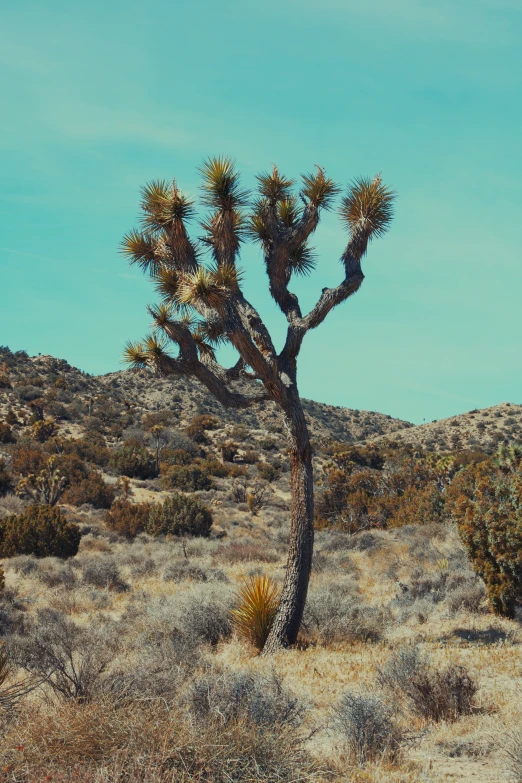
368	206
221	188
256	605
274	186
319	189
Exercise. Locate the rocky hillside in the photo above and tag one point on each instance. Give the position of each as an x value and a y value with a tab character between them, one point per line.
481	429
115	402
120	399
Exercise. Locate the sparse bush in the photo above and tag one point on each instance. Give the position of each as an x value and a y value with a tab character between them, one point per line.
53	572
202	613
333	613
180	515
92	490
188	478
6	433
71	658
103	573
250	457
256	606
178	572
42	531
128	519
368	728
434	694
233	696
134	460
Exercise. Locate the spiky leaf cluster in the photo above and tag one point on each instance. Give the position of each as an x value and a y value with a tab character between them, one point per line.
368	207
163	204
318	189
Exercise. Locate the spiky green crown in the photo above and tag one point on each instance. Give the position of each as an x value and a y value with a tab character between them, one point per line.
163	204
368	206
220	186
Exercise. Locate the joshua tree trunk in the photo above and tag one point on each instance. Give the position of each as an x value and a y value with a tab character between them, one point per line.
204	306
299	564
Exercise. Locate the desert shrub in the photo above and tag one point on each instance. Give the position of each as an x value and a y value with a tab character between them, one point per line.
229	449
72	467
100	741
197	426
176	457
231	696
92	490
467	597
178	572
45	488
27	460
6	433
127	519
246	552
334	613
213	467
256	606
250	457
267	444
90	448
28	393
180	515
266	471
368	728
434	694
54	572
71	658
44	429
103	573
5	479
40	530
134	460
188	478
5	383
202	613
487	506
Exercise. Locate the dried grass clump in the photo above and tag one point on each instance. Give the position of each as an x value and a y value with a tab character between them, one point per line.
256	606
149	741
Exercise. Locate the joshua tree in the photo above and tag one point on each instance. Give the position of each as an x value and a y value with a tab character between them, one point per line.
204	306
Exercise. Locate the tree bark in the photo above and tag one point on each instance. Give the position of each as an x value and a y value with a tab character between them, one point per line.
293	596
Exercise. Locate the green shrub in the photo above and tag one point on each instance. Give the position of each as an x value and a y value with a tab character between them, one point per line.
267	444
6	433
180	515
486	504
213	467
188	478
92	490
42	531
128	519
229	450
134	460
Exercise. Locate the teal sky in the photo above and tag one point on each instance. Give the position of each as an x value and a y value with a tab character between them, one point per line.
98	98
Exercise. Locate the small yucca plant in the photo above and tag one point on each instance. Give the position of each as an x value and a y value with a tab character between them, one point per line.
256	604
